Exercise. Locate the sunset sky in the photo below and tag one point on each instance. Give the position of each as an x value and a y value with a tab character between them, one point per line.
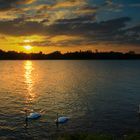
69	25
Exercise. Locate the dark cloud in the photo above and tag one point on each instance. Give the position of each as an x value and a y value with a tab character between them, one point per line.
90	31
80	19
130	36
112	31
10	4
87	29
19	27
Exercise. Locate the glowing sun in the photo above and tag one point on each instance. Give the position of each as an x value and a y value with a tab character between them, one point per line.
28	47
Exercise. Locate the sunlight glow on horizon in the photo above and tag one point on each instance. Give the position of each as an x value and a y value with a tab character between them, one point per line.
28	47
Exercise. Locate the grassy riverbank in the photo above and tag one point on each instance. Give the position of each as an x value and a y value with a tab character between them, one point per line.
96	137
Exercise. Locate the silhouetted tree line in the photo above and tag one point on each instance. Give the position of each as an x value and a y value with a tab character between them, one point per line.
81	55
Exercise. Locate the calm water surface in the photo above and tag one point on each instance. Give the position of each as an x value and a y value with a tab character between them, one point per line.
98	96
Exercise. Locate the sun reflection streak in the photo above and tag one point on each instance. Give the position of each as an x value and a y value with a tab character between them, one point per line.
28	66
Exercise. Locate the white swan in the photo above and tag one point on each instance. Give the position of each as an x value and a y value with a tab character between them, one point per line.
34	115
62	120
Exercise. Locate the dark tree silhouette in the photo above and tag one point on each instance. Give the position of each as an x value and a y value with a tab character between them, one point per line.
81	55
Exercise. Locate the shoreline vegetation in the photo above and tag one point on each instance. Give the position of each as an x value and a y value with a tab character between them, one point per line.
89	136
78	55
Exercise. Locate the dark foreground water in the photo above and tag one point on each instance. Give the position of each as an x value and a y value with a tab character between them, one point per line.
98	96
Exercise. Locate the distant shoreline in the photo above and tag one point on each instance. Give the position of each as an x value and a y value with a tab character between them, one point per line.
78	55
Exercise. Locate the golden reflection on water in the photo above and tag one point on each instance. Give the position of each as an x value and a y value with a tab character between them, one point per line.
28	67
